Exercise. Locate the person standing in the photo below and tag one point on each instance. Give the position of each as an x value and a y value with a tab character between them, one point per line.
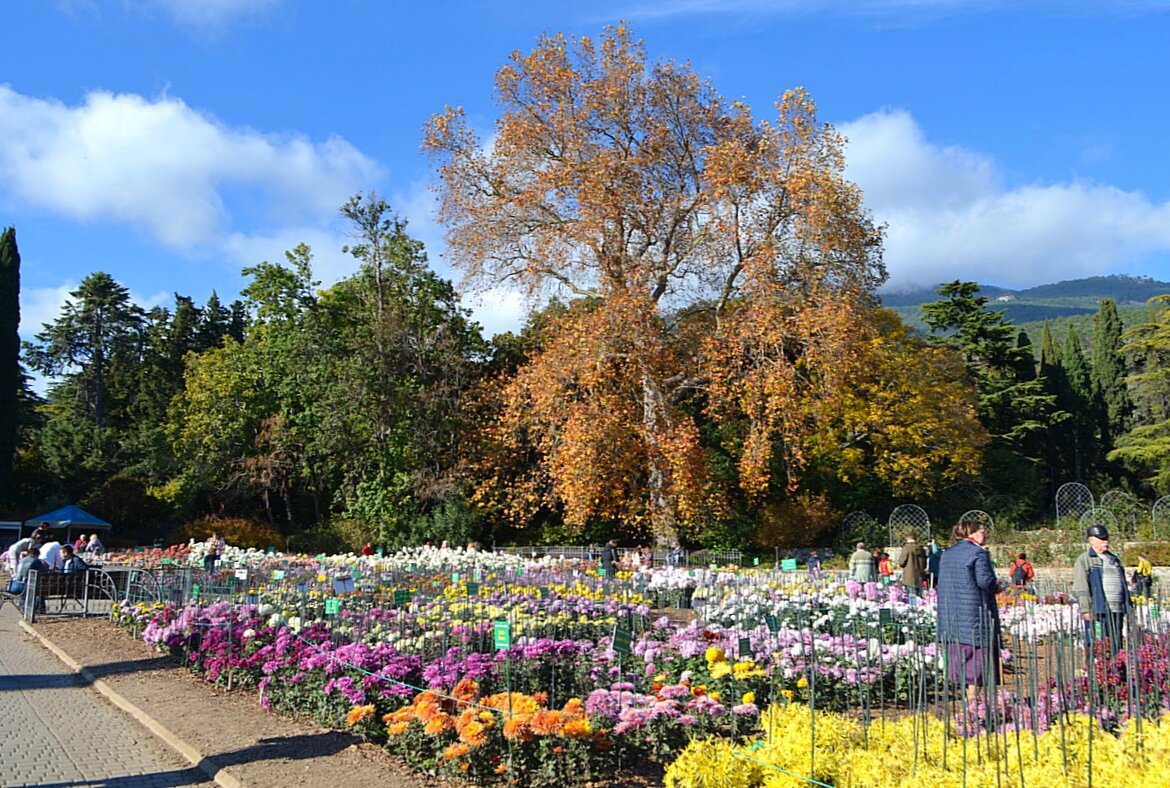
215	547
609	558
1143	577
913	564
968	615
1101	591
1021	572
51	554
814	565
861	566
933	556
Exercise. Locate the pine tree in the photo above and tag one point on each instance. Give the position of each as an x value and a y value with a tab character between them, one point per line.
10	373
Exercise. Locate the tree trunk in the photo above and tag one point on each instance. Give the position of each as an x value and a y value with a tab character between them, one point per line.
663	523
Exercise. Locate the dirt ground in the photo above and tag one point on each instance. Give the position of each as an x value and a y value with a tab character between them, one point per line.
256	747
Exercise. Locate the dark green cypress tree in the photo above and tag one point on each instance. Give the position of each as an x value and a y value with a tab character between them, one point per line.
1108	369
11	379
1081	400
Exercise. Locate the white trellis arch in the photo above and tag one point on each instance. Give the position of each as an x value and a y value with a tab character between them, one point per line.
1160	515
909	520
977	516
1073	500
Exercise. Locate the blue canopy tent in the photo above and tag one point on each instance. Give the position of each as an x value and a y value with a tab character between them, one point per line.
70	518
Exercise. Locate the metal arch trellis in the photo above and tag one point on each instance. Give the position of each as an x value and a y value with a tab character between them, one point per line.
1073	500
1160	514
980	517
1125	508
856	521
907	520
1098	516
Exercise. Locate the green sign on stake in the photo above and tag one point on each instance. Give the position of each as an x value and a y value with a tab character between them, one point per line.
332	607
278	574
195	592
502	635
621	640
788	564
772	624
745	647
473	589
401	596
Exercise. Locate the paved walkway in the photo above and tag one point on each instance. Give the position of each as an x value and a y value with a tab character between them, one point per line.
55	732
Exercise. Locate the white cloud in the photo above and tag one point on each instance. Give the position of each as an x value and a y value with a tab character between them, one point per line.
41	305
950	214
170	171
209	18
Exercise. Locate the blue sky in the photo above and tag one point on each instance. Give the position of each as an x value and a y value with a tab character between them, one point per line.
172	142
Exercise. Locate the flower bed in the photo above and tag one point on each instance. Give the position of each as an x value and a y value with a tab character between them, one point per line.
412	658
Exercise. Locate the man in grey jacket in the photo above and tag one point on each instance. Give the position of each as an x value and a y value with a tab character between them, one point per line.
861	565
1101	591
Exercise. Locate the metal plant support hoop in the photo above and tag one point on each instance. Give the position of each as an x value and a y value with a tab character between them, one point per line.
909	520
1072	501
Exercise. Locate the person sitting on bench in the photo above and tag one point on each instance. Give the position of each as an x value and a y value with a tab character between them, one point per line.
71	563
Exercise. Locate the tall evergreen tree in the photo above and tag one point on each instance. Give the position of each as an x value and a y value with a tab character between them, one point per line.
1108	369
1014	408
1079	399
11	379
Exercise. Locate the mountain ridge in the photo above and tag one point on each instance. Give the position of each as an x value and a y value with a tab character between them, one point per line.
1067	298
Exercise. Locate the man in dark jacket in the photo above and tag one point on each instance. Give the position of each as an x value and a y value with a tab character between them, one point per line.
913	563
609	558
1101	591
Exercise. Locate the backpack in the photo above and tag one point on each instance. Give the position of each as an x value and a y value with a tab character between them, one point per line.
1019	574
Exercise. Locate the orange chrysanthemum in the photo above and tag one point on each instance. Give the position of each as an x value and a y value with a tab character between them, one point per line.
455	750
546	722
577	729
358	714
517	728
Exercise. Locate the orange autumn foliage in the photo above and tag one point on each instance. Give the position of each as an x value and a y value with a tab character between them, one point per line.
721	268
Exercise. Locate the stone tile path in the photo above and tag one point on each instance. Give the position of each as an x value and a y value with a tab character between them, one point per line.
57	732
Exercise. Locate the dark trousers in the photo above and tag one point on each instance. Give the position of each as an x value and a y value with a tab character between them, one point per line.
209	562
1108	627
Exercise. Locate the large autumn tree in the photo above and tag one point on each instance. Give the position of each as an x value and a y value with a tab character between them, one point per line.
717	259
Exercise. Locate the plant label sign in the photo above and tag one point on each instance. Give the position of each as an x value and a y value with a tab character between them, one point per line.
745	647
278	574
544	592
195	591
332	607
621	640
241	574
473	589
601	571
454	577
772	624
401	596
788	565
502	635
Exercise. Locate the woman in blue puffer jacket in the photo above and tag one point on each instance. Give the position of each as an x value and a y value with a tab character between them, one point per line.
968	615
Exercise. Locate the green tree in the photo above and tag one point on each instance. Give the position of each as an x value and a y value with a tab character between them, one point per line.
1013	407
1146	447
1108	369
93	350
11	376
